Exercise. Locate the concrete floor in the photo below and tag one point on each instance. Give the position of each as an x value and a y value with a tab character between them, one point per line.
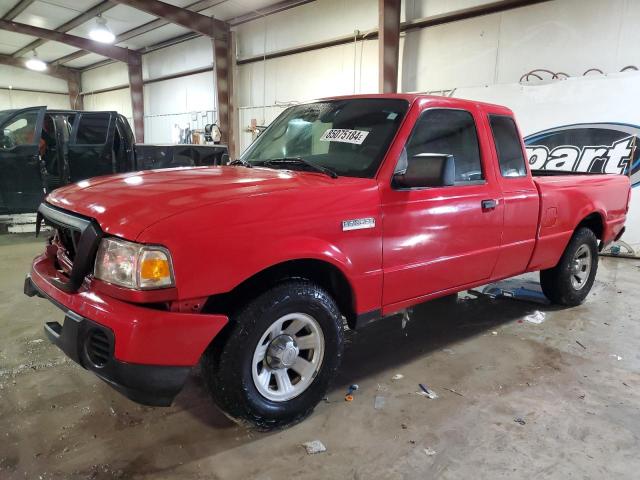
579	404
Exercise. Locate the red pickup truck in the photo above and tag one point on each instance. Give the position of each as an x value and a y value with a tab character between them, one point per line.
343	211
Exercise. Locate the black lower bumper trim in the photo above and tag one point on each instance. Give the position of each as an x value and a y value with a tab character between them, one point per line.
154	385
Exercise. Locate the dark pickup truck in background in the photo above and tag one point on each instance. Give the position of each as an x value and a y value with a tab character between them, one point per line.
41	150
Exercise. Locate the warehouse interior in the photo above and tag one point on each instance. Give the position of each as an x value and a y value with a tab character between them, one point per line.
493	381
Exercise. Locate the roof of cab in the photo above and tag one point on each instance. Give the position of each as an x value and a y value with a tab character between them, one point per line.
412	97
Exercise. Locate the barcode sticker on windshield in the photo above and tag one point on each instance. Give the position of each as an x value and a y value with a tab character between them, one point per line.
344	136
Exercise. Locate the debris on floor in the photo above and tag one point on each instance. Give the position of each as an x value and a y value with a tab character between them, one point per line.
494	333
453	391
313	447
581	344
349	395
536	317
406	316
617	357
520	420
378	402
397	376
430	452
427	392
519	293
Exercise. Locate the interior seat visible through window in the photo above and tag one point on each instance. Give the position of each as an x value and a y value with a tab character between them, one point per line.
448	132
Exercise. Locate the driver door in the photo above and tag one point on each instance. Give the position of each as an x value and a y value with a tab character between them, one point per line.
91	150
21	187
439	238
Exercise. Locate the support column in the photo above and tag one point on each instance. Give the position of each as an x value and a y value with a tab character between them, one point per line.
223	70
137	95
75	98
388	45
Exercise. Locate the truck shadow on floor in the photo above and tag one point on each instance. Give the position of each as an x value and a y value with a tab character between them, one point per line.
385	344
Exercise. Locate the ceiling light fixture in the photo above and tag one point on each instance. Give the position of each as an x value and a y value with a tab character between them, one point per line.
101	32
34	63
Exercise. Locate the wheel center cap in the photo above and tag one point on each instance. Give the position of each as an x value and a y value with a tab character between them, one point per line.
282	352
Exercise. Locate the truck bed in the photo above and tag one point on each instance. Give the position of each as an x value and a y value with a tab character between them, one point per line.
565	198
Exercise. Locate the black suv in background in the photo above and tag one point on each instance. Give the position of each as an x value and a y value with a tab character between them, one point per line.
42	149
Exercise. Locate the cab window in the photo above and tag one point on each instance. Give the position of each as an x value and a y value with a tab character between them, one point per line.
449	132
508	146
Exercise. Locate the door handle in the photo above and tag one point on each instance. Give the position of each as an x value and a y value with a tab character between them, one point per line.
490	204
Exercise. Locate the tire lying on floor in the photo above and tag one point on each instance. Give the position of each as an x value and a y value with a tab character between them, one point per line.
569	282
278	356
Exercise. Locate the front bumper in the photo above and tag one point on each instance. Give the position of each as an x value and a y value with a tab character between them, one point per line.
143	352
155	385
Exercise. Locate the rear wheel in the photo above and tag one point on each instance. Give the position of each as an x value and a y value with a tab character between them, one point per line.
276	360
569	282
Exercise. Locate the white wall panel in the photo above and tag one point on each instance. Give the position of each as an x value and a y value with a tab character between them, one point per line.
427	8
26	79
309	75
570	36
185	56
118	100
14	99
456	54
180	95
111	75
178	101
313	22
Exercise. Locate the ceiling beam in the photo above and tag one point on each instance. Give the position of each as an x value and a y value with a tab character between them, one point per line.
196	22
259	13
70	57
161	22
98	9
17	9
110	51
142	29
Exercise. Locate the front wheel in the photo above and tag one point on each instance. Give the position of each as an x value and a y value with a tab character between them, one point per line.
569	282
277	358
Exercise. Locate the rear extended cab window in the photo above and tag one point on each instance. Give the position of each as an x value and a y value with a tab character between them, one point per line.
508	146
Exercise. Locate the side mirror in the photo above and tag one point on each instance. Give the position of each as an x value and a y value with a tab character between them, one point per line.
426	170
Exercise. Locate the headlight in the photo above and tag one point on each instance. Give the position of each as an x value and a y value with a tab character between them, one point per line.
132	265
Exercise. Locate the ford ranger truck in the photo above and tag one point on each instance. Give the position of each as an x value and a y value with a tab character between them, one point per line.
344	211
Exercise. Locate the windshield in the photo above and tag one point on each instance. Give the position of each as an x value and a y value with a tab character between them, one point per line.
349	137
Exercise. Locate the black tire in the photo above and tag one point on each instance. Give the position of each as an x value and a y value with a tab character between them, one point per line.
227	363
556	282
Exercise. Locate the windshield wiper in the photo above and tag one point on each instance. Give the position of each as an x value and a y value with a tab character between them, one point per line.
240	161
288	161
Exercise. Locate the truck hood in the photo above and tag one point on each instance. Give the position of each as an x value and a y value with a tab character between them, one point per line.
126	204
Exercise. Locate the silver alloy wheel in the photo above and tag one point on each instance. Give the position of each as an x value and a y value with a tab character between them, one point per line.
288	357
581	267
